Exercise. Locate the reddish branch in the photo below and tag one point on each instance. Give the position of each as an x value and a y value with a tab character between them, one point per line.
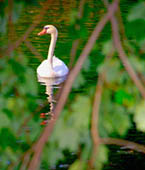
142	77
121	142
33	50
73	52
94	121
67	87
95	112
123	57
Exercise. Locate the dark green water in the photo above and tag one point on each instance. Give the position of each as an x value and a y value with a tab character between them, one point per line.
24	98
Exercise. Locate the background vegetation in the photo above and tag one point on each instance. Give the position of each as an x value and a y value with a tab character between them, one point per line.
102	102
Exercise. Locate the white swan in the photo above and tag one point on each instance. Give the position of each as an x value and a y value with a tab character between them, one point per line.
52	66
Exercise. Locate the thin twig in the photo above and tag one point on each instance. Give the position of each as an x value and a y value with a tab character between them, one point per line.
121	142
76	42
37	20
142	77
33	50
94	121
95	112
73	52
67	87
123	57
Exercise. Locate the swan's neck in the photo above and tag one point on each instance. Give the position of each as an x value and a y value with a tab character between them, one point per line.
51	47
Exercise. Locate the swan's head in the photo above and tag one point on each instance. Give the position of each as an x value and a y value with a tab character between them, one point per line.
48	29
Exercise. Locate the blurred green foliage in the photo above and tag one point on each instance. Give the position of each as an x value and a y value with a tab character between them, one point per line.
22	98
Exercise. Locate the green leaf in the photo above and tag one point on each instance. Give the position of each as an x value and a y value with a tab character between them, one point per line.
115	120
4	120
11	154
112	68
142	45
122	97
73	17
7	139
81	109
72	127
70	137
107	46
79	81
77	165
102	157
139	116
86	65
136	63
137	12
136	29
50	156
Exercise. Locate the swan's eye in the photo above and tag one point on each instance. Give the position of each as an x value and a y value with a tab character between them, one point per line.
46	28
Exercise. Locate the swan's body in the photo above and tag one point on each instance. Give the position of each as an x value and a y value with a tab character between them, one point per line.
59	69
52	67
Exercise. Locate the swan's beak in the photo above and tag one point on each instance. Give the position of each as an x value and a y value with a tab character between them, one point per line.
42	32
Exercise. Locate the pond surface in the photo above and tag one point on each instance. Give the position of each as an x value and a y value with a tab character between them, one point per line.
59	14
36	97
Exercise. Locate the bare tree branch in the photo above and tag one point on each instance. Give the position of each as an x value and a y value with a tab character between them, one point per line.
95	112
121	142
94	121
123	57
73	52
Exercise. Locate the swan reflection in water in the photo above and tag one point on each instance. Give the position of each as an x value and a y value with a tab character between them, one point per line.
50	84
